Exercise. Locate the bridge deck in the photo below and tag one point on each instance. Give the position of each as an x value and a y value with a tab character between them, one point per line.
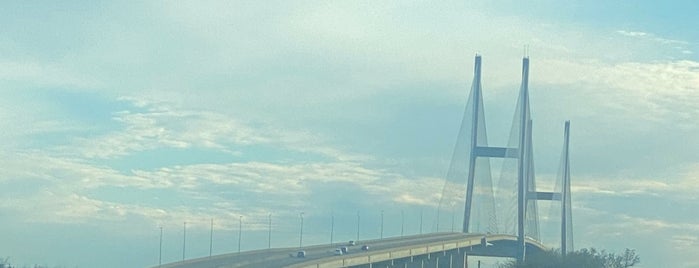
379	250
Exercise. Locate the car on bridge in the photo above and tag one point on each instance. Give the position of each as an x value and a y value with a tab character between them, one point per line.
365	247
338	251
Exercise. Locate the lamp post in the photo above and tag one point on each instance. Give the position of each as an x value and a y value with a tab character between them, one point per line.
240	230
184	239
357	225
211	238
402	222
332	227
160	251
381	235
269	232
421	221
301	234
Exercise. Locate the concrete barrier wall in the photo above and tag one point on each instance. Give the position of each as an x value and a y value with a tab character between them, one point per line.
380	257
331	264
356	260
400	253
440	249
449	246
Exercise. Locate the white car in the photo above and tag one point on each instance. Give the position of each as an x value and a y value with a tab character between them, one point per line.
338	251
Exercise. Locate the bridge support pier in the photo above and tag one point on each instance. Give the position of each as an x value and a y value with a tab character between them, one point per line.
385	264
416	263
401	263
450	259
445	261
459	260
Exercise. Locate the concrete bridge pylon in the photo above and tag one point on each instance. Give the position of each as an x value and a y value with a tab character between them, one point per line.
511	207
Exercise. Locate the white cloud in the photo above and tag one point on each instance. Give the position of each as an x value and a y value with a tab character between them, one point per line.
73	171
653	99
632	33
163	126
678	45
679	187
653	37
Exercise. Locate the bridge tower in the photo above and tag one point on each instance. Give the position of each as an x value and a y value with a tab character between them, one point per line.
519	153
566	209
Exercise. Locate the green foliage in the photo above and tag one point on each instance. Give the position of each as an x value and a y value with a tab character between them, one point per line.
584	258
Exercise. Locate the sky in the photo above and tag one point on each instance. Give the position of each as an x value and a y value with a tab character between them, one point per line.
119	118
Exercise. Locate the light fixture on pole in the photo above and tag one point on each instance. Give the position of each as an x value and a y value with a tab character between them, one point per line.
184	239
269	232
160	251
240	230
357	225
420	221
402	222
301	234
381	235
332	226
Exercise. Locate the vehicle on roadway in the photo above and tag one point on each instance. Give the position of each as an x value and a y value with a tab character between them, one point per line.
352	243
301	254
338	251
365	247
344	250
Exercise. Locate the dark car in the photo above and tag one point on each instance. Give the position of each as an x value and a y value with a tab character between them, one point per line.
365	247
301	254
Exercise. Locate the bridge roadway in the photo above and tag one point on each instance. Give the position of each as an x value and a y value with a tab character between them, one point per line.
324	255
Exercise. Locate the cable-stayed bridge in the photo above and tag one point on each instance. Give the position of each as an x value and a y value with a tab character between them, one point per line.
499	218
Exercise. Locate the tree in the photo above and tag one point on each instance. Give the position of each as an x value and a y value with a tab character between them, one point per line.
5	263
584	258
625	260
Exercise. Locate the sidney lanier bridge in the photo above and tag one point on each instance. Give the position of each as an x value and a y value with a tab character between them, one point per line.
498	220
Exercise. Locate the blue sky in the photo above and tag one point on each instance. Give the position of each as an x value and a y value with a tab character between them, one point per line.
119	118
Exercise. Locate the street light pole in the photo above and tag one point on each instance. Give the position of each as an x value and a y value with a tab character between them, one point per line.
160	251
332	227
211	238
301	234
357	225
240	230
184	239
381	236
269	232
421	221
402	222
